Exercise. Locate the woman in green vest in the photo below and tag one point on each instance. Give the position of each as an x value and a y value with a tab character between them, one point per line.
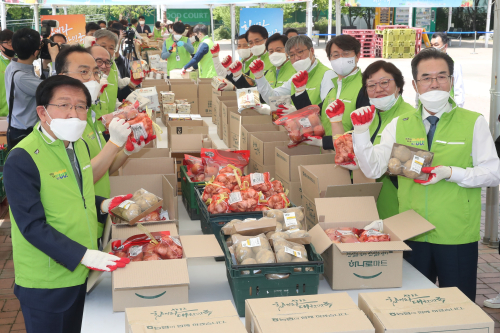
203	57
158	30
177	48
6	55
195	41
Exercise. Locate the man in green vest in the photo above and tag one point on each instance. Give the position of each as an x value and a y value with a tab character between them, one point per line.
6	55
282	69
54	212
465	159
177	48
257	36
203	57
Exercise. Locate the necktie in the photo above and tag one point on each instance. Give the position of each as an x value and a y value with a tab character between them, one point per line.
72	159
430	135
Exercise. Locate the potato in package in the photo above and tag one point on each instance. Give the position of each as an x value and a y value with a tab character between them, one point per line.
290	218
407	161
140	202
252	247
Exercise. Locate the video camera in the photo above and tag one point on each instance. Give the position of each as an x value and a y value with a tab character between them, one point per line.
47	26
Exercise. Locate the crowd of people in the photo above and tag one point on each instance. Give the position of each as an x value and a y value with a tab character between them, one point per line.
57	172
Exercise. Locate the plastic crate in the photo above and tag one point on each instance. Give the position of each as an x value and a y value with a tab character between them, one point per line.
360	32
407	43
3	195
189	195
3	156
255	284
384	27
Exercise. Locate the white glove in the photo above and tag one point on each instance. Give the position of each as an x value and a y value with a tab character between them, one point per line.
362	118
89	41
133	147
122	83
119	131
101	261
314	140
436	174
351	167
335	111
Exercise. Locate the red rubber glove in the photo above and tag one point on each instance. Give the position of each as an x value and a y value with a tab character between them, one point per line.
299	80
236	68
102	88
226	62
362	118
335	111
109	204
215	50
136	82
436	174
183	71
257	68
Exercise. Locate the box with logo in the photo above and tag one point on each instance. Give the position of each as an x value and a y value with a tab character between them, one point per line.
167	97
205	97
185	89
251	128
424	311
209	317
238	119
294	189
263	143
288	160
363	265
331	180
186	136
308	313
184	108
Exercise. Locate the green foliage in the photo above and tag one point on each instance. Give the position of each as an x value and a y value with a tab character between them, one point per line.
322	25
15	12
87	10
127	12
295	25
222	33
223	13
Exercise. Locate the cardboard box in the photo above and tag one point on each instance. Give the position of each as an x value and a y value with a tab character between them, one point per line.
228	106
363	265
251	128
151	153
287	160
253	166
148	166
218	102
226	134
263	144
152	95
294	189
312	314
4	124
424	311
186	89
216	94
247	116
205	97
160	85
186	135
206	317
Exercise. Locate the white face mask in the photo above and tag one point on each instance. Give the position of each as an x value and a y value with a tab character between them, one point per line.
177	37
142	22
302	65
434	100
192	39
384	103
94	88
343	66
277	59
70	129
258	50
244	53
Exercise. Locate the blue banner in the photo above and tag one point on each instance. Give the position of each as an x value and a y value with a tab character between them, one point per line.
269	18
406	3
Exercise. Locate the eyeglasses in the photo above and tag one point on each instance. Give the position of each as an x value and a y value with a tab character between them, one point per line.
100	62
383	84
80	108
344	54
278	49
441	79
86	75
298	54
254	42
9	43
109	48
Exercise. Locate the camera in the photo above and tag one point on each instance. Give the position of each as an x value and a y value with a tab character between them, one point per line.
47	26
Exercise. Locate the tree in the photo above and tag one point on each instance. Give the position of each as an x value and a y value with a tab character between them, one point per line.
17	12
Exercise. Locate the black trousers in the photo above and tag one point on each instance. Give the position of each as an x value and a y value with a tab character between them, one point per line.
68	321
14	136
451	265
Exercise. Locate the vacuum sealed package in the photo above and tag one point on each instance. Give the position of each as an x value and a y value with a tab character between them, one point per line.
290	218
343	235
286	251
344	150
252	250
408	162
302	123
248	98
139	206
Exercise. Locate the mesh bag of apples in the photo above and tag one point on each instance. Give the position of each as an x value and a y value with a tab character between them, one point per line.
354	235
213	161
302	123
162	246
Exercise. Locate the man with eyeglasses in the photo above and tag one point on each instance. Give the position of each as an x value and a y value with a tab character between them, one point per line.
7	53
464	160
54	211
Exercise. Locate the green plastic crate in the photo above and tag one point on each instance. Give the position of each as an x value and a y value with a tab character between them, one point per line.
250	281
3	156
189	194
3	195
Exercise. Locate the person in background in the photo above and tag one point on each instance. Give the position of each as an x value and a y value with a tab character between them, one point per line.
110	23
90	28
244	53
203	58
159	29
58	38
291	33
257	37
7	53
124	23
102	24
465	159
143	28
177	48
54	211
193	39
122	63
440	41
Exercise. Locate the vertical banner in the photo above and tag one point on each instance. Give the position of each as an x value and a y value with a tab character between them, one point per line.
269	18
71	26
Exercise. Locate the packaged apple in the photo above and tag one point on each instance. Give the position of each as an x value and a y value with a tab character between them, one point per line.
139	206
127	110
150	246
280	105
344	150
301	124
248	98
407	161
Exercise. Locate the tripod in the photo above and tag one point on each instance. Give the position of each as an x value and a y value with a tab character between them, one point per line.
129	51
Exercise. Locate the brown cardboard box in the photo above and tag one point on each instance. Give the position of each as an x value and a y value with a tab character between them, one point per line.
216	102
3	130
226	134
187	135
209	317
161	85
246	129
331	180
205	97
311	314
186	89
424	311
151	153
228	106
363	265
294	189
179	157
216	94
253	166
263	144
247	116
148	166
218	110
287	160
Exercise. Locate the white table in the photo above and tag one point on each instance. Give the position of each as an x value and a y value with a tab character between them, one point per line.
208	283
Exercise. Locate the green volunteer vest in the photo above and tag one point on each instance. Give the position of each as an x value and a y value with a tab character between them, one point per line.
265	58
65	210
455	211
156	33
348	94
196	45
4	107
387	203
313	86
246	65
184	55
108	96
286	72
206	64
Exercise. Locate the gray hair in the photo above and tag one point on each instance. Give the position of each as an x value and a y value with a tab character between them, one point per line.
200	28
300	40
101	33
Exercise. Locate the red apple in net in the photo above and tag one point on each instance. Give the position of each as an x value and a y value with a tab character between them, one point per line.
319	130
151	257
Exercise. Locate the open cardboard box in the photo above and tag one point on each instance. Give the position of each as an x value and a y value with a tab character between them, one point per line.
209	317
227	106
185	89
363	265
148	166
151	153
287	160
262	146
246	130
253	166
238	119
310	313
205	97
186	135
424	311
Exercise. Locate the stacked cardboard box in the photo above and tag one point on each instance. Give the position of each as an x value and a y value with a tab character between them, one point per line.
262	153
238	119
215	95
186	89
226	108
219	108
247	130
186	135
205	97
4	124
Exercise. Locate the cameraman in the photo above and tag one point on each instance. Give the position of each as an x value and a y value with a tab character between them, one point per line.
6	55
59	39
134	24
21	84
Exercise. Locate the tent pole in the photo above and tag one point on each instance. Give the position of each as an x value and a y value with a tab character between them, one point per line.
158	13
65	10
212	22
233	29
37	18
164	13
3	15
309	10
450	14
491	219
330	5
488	20
338	18
54	9
410	16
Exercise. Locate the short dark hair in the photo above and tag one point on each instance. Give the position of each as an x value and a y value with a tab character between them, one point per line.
387	67
110	23
444	37
430	53
101	21
25	42
179	27
157	24
46	89
117	26
258	29
134	21
61	59
58	35
200	28
142	17
244	36
277	36
344	42
116	32
123	22
91	26
291	30
6	35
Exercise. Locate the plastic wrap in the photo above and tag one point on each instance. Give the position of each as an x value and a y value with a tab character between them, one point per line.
408	162
344	150
305	121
